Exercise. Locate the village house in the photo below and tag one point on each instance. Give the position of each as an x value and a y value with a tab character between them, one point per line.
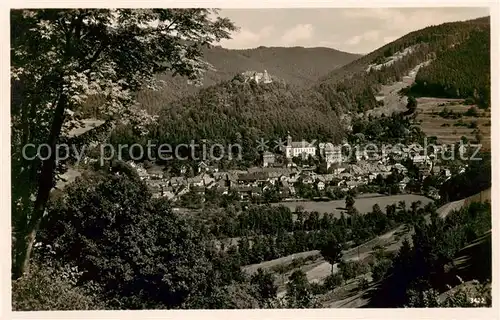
360	155
418	159
182	190
400	168
143	174
207	179
320	185
177	181
195	181
267	159
204	167
333	155
403	183
252	179
246	192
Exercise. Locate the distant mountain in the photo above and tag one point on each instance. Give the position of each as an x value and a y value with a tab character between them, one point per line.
297	66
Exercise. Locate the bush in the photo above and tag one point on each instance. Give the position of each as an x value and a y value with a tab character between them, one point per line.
472	112
352	269
45	288
333	281
380	268
317	288
363	283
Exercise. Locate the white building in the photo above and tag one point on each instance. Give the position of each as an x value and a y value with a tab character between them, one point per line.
296	149
267	159
333	154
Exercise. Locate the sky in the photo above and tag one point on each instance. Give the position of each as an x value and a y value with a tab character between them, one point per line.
359	30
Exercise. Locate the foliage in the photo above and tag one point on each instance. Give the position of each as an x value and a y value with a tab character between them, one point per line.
46	288
419	268
61	57
461	72
140	253
476	178
412	104
333	280
289	65
380	268
363	283
270	232
332	252
299	293
352	269
264	282
473	295
349	201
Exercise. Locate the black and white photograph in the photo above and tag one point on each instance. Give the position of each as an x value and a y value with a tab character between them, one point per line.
250	158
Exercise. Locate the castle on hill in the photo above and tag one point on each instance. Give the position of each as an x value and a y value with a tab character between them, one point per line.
257	76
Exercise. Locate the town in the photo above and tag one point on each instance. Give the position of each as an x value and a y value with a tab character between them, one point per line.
293	174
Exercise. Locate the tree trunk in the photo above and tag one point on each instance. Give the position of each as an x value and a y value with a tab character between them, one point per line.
25	241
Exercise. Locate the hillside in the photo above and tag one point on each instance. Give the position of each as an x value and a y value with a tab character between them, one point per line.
360	78
461	72
234	110
295	65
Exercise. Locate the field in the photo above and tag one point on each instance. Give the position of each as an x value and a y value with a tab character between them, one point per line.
435	125
363	204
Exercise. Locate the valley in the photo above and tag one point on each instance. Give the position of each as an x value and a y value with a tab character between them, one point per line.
186	175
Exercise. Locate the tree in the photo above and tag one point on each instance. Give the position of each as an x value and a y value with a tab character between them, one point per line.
60	58
332	252
298	293
139	253
349	201
264	282
47	288
412	104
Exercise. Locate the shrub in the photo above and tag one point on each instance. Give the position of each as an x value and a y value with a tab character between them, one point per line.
317	288
352	269
333	281
363	283
380	268
45	288
472	112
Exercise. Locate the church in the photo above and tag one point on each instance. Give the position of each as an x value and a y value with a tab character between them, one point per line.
301	148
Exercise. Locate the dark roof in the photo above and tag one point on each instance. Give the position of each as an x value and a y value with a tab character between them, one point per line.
253	176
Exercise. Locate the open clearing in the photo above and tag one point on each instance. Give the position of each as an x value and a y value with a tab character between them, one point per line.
389	94
362	204
444	129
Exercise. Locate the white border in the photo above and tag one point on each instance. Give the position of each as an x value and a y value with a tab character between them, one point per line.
5	304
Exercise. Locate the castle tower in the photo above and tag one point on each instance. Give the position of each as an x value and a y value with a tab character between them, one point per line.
267	78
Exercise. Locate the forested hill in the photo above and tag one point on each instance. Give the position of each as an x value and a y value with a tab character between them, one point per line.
295	65
436	38
461	72
235	110
357	79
